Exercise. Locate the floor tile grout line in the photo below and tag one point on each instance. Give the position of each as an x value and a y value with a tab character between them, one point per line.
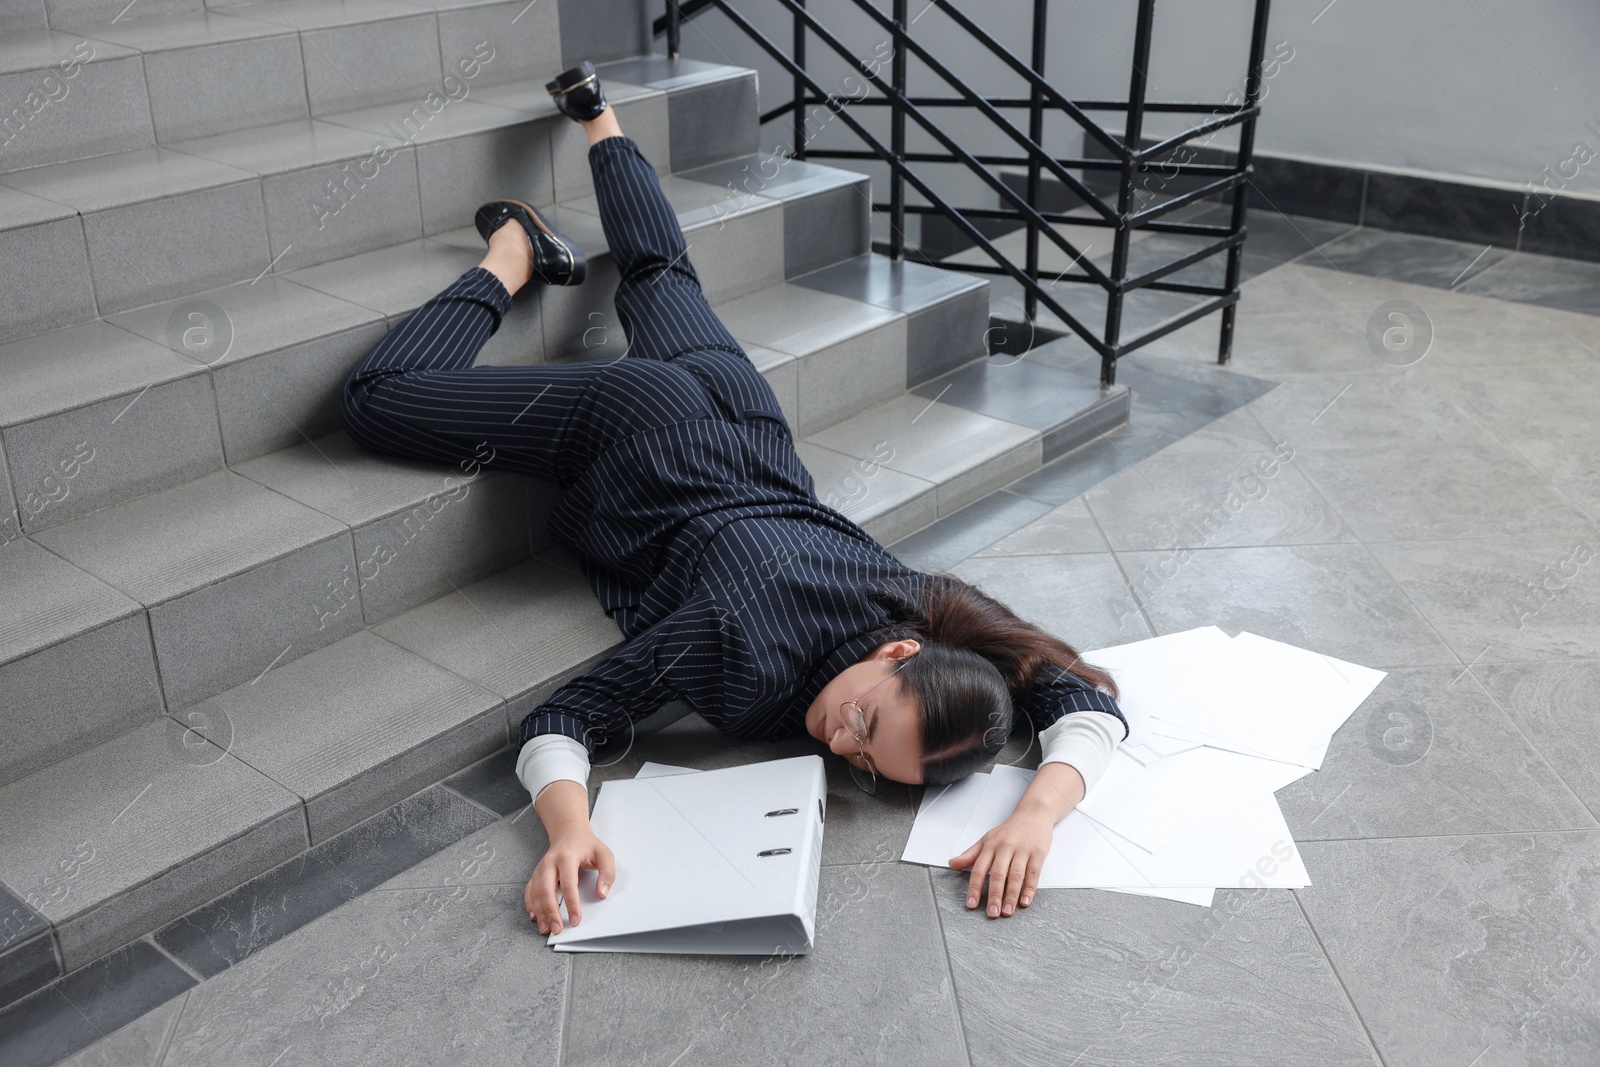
172	1030
1311	928
1515	725
949	968
182	965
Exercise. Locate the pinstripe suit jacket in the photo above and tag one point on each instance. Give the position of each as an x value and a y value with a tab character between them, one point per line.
738	588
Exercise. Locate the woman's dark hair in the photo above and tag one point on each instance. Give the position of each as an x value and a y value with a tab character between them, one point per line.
976	658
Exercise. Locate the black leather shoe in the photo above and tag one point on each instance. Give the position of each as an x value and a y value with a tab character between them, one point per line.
577	93
556	259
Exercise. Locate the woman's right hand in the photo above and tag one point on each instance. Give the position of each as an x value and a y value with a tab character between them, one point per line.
558	870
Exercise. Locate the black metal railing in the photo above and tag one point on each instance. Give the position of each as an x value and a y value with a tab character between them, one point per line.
1127	155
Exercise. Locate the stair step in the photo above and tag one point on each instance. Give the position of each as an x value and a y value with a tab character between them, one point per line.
207	71
520	633
41	70
843	354
419	529
92	414
157	223
75	660
148	825
827	212
355	727
947	313
710	106
45	269
230	573
278	354
162	222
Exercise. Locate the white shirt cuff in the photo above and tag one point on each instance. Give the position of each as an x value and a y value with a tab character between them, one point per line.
1084	740
552	758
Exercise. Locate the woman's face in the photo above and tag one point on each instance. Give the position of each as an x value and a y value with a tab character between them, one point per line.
894	730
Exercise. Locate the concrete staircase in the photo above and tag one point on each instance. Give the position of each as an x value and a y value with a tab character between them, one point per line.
227	633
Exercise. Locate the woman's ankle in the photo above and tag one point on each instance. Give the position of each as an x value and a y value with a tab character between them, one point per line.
602	127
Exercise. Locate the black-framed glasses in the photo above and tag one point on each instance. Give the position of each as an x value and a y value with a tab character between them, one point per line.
855	720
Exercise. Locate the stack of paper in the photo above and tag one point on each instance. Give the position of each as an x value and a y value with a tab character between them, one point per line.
1186	805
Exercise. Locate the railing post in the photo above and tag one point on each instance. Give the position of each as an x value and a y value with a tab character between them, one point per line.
1132	132
674	29
799	52
1241	192
897	135
1036	135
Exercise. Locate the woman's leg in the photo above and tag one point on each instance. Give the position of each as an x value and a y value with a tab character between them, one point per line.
417	393
659	296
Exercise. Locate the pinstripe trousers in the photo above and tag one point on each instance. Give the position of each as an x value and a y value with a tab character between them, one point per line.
417	394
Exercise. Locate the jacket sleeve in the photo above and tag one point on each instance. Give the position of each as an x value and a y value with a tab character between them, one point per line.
602	705
1077	724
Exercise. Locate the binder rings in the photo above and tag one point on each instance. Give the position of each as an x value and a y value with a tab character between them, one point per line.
708	862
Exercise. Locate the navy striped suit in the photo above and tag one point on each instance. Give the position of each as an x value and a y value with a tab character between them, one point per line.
698	527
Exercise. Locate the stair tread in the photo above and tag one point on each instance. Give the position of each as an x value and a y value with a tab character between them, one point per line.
46	600
18	208
323	719
930	439
797	320
355	485
247	319
793	179
659	72
512	632
32	50
1021	390
142	804
189	29
282	147
458	118
78	365
896	285
122	178
320	14
158	547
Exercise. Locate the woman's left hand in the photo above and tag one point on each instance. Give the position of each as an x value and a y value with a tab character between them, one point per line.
1010	856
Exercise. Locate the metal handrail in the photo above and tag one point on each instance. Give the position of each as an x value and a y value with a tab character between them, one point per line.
1126	158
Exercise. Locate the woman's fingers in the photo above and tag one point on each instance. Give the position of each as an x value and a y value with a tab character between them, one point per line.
968	856
607	869
997	882
569	890
548	917
1020	864
980	867
1031	881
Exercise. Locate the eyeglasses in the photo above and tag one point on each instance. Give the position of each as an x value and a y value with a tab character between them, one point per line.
855	720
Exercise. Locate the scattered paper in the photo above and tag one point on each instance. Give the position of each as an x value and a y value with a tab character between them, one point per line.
1216	726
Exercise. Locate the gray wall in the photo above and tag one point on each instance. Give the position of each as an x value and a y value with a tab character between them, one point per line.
1490	91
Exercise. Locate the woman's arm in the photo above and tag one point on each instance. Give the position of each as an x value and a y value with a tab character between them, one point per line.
563	807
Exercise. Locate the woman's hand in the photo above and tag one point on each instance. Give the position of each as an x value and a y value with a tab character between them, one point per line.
568	853
1011	857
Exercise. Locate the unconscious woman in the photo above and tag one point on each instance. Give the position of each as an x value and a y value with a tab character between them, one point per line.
738	591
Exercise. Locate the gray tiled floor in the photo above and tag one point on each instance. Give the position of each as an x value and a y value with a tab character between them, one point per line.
1437	520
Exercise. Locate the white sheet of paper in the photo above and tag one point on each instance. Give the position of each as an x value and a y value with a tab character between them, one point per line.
1200	895
1157	805
1247	848
1149	673
940	819
1283	702
657	770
